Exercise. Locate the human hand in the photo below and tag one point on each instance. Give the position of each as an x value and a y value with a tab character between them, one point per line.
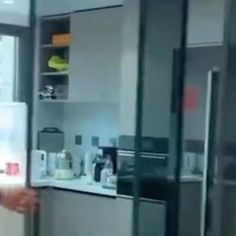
21	200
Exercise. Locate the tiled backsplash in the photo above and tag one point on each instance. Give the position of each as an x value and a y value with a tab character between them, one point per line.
90	121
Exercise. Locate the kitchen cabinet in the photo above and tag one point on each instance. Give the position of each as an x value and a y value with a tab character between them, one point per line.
189	213
69	213
95	56
55	7
15	12
46	213
152	218
206	22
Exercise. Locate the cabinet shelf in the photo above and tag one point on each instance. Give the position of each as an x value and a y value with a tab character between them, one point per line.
57	73
53	101
55	46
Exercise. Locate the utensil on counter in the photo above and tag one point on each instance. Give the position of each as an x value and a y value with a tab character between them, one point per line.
51	164
88	164
64	166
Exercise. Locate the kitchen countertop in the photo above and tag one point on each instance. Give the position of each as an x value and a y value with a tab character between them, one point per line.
80	185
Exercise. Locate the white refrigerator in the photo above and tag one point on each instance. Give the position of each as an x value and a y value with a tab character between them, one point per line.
13	161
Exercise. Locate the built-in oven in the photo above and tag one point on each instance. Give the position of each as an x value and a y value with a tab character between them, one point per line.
153	175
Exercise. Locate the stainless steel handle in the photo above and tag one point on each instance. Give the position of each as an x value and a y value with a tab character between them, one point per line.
212	90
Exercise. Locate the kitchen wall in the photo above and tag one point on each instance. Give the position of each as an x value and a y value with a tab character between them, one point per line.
88	120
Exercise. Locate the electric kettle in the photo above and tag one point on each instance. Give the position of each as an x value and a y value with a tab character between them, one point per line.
64	166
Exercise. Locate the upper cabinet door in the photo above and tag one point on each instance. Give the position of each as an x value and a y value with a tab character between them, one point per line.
95	55
15	12
54	7
206	21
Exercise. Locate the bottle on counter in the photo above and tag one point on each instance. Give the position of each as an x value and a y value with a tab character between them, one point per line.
88	162
97	166
81	167
107	171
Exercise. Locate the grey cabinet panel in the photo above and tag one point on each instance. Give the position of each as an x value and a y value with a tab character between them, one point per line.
206	21
46	213
95	55
82	214
190	211
152	219
129	74
53	7
68	213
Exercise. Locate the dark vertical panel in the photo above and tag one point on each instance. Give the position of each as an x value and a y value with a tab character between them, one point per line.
227	129
163	30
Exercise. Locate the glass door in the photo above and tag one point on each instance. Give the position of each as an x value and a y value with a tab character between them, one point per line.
207	186
192	137
221	194
160	68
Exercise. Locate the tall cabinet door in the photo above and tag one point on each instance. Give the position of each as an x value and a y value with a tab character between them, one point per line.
95	67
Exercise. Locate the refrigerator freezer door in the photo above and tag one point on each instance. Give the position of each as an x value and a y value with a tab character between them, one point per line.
13	133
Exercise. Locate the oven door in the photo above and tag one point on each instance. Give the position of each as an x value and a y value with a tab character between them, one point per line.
153	182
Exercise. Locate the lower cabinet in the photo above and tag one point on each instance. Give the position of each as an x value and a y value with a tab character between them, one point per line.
152	219
189	213
75	214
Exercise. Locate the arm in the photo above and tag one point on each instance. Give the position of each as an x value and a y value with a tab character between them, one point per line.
21	200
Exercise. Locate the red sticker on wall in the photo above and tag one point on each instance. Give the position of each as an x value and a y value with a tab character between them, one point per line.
190	98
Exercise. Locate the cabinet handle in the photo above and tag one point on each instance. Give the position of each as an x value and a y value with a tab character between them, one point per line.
209	145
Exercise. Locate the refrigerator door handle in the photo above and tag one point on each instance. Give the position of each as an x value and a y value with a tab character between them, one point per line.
209	145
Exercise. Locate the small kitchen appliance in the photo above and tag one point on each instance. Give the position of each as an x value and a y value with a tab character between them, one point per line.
64	166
